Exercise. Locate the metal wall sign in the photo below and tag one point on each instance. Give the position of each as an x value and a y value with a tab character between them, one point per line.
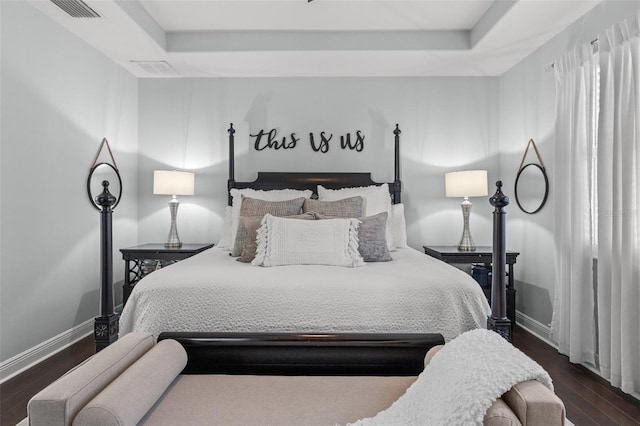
318	142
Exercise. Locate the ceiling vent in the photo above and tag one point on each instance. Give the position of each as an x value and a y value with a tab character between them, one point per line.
76	8
156	68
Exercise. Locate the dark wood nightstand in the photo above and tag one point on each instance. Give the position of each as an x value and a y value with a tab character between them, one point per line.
483	255
143	259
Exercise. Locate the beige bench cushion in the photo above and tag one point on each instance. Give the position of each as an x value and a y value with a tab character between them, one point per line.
59	402
535	404
500	414
128	398
275	400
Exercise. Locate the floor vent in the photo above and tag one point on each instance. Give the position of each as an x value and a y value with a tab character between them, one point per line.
76	8
156	68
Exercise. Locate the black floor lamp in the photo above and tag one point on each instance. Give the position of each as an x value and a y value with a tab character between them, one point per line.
106	326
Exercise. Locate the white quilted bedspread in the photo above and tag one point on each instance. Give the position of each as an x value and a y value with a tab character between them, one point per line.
211	291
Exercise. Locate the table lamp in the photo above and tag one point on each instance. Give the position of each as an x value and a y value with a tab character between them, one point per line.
468	183
173	183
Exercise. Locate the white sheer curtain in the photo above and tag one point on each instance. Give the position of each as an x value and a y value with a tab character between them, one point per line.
573	321
619	206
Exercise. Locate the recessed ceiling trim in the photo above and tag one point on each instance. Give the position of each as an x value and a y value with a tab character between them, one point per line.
490	19
142	18
243	41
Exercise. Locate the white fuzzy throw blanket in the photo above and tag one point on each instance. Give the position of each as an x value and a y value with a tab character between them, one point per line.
461	382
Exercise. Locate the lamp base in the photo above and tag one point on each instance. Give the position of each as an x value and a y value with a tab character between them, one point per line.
173	241
466	242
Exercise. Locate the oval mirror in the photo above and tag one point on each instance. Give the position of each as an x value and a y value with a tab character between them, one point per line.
532	188
101	172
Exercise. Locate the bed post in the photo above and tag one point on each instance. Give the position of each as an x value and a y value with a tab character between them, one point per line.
231	183
397	184
106	326
498	320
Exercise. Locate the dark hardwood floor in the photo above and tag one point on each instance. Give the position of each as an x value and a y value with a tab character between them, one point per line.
16	392
588	398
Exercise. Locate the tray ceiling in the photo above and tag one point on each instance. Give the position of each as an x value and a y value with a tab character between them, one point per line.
292	38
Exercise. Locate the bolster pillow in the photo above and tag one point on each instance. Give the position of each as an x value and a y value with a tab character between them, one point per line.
58	403
128	398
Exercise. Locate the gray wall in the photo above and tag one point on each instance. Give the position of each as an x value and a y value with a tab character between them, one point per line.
59	99
527	110
447	124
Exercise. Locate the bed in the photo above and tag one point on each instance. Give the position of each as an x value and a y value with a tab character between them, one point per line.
213	292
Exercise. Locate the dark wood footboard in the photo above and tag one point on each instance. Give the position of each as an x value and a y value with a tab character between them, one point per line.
305	354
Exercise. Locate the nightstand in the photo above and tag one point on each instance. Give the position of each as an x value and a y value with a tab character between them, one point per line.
143	259
483	255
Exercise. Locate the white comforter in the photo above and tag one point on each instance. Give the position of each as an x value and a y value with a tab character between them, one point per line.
211	291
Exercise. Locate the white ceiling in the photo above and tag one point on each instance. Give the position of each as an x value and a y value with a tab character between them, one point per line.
283	38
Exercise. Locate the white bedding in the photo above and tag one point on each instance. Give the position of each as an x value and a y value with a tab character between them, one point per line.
211	291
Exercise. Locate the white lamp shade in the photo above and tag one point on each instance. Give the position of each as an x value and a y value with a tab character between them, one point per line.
167	182
468	183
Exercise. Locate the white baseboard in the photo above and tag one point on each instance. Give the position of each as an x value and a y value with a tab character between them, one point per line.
535	327
21	362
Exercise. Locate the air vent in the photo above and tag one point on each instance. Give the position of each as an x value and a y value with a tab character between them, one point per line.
76	8
156	68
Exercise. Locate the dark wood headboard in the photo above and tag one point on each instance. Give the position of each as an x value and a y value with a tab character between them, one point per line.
310	180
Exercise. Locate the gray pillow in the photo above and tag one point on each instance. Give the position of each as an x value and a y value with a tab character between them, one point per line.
247	231
255	207
344	208
372	237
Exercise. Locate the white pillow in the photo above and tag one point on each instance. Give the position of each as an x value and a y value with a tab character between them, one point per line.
286	241
377	199
225	233
272	195
398	226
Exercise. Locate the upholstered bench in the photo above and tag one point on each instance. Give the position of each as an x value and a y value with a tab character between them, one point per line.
135	381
